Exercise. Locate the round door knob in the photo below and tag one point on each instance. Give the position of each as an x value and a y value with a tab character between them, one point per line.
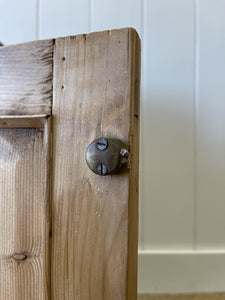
106	156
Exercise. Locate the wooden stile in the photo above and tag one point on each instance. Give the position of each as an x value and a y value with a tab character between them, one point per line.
95	93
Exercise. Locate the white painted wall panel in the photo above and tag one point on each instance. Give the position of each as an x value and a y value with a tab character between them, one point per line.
112	14
18	21
211	126
168	132
181	272
62	18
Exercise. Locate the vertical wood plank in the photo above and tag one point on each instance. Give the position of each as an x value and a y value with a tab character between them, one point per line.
168	125
94	244
17	21
24	212
58	18
210	126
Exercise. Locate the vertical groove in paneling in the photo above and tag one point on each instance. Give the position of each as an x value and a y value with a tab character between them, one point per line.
195	109
142	108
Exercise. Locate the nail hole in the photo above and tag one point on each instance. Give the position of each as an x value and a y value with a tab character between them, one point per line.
64	58
63	87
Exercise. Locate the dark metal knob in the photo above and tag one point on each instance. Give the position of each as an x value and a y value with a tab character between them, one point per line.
106	156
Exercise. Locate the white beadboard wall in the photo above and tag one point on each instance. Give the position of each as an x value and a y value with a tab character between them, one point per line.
182	172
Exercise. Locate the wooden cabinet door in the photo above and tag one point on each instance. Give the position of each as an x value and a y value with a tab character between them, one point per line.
65	232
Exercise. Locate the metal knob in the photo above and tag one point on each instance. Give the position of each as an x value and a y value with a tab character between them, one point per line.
106	156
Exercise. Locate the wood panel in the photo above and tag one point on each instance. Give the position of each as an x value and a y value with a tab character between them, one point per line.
168	126
210	126
24	211
26	78
94	230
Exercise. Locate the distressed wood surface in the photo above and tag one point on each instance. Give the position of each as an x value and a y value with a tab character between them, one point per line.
24	211
94	226
26	78
34	121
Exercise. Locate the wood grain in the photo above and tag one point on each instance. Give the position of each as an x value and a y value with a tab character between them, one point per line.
24	212
34	121
94	219
26	78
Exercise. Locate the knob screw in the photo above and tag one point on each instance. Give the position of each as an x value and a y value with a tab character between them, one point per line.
102	144
102	169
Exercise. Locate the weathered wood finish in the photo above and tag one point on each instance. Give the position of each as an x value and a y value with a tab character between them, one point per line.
23	121
94	226
94	219
24	211
26	78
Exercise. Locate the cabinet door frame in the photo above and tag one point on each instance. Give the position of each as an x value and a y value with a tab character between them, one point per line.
89	85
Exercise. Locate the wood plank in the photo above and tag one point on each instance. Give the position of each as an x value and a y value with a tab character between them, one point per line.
24	213
26	78
94	229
